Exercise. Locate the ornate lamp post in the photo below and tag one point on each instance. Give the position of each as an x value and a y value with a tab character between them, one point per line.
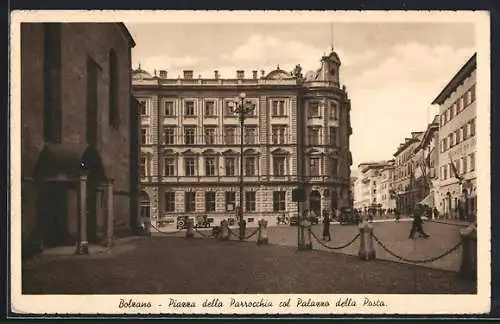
242	110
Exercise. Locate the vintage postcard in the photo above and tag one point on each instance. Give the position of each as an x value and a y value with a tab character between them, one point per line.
250	162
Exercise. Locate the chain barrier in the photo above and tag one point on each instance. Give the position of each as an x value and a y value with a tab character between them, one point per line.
166	233
202	234
417	261
251	234
334	247
244	237
232	233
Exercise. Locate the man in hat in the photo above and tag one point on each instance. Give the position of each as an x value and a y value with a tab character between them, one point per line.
416	226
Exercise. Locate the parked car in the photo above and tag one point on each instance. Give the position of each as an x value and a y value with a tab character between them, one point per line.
203	221
165	221
294	221
182	222
314	220
348	216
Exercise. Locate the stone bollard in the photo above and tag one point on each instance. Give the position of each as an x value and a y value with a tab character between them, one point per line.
262	238
366	249
190	229
468	267
224	231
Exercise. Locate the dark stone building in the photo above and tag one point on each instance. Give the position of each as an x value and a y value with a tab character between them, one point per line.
80	144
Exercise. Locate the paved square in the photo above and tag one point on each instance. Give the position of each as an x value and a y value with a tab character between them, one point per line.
173	265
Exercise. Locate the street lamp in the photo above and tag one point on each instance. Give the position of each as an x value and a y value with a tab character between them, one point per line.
242	110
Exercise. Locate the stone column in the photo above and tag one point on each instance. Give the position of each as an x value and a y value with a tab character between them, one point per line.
82	246
110	217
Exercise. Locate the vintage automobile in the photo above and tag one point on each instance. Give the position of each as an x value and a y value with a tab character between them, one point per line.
164	221
182	222
294	221
348	216
203	221
314	220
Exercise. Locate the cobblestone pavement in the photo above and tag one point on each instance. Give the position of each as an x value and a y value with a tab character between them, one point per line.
173	265
392	234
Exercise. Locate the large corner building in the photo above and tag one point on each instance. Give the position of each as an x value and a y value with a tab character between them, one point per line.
297	134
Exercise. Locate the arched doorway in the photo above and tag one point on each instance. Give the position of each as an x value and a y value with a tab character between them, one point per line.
315	202
144	204
56	175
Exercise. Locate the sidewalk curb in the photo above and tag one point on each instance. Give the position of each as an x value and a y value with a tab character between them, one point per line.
448	223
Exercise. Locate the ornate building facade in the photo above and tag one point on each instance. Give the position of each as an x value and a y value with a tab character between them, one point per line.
297	134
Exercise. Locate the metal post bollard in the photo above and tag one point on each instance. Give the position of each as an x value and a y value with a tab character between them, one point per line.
190	229
302	244
224	231
307	236
366	249
468	267
262	238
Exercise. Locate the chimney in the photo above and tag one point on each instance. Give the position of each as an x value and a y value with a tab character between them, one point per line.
188	74
254	74
216	75
240	74
163	74
262	73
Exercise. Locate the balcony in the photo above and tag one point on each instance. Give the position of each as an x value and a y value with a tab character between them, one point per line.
223	140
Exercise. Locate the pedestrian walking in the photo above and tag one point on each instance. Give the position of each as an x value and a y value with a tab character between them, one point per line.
436	213
396	214
326	227
416	226
370	215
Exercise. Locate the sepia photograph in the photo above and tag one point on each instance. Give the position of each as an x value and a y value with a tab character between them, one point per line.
250	162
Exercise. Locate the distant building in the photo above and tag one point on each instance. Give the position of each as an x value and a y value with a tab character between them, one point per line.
404	174
457	144
79	136
386	192
367	191
298	134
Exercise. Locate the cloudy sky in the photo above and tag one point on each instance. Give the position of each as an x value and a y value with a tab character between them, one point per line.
392	71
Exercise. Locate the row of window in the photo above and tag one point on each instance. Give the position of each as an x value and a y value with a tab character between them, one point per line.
278	109
250	166
279	201
279	136
459	135
458	106
462	166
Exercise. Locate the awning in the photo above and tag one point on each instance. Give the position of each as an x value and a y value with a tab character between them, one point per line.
428	200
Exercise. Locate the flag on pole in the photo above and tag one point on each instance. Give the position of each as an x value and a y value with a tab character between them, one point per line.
428	161
455	172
